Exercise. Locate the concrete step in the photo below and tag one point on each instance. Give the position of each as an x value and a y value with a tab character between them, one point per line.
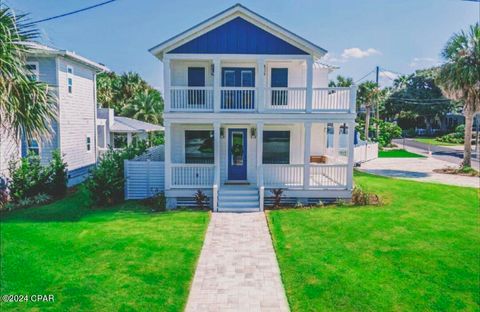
252	209
238	192
223	197
240	204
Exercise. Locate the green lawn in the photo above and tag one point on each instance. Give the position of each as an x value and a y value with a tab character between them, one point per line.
398	153
420	251
119	259
432	141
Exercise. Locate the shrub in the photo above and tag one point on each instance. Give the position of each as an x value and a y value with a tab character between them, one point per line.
200	199
29	178
456	137
28	202
157	202
361	198
388	132
106	182
277	197
3	193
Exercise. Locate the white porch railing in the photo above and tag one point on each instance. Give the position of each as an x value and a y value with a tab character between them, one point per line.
283	176
328	176
192	175
237	98
331	99
291	176
282	99
191	98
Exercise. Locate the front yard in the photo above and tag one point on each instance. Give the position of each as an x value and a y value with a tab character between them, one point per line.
418	252
118	259
433	141
398	153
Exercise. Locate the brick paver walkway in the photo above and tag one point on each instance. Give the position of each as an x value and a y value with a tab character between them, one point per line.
237	270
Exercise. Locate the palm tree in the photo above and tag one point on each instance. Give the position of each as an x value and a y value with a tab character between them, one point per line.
459	78
368	94
146	106
26	106
341	82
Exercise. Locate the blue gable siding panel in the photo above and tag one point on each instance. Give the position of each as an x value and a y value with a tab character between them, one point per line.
238	36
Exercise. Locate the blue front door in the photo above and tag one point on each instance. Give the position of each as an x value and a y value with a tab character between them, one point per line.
237	154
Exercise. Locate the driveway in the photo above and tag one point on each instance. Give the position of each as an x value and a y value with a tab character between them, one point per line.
238	269
418	169
449	154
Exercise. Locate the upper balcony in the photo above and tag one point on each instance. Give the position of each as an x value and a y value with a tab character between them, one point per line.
260	85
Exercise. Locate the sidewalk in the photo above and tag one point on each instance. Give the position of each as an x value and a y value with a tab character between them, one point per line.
238	269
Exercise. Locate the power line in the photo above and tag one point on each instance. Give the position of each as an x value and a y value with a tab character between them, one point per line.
364	76
71	13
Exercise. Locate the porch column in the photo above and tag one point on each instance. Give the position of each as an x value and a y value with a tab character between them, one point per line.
261	84
351	154
217	81
309	96
129	138
167	148
216	150
260	153
166	83
306	155
336	139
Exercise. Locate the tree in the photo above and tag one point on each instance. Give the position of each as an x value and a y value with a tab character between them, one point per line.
368	94
418	95
26	106
341	82
459	78
146	106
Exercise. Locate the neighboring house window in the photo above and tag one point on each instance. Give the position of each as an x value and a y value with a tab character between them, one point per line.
33	147
70	79
89	143
330	133
276	147
119	140
34	72
199	147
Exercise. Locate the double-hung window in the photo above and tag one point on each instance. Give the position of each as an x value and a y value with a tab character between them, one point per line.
276	147
33	147
89	143
70	79
33	71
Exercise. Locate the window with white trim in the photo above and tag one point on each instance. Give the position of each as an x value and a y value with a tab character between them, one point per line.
33	71
89	143
70	79
33	147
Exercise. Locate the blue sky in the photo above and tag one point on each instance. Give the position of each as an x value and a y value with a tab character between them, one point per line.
399	35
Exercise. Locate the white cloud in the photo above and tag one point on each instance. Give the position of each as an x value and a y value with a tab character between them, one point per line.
330	57
422	62
388	74
359	53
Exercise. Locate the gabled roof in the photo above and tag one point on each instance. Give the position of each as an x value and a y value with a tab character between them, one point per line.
229	14
38	49
125	124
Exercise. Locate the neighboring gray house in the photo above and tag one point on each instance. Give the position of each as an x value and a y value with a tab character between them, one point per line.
118	132
73	79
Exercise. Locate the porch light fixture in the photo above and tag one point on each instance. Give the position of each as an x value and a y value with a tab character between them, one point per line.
212	69
222	133
253	133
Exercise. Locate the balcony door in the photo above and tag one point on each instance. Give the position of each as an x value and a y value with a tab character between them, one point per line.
279	79
236	77
196	82
237	154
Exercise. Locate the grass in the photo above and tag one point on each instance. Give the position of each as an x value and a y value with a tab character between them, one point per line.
433	141
398	153
119	259
418	252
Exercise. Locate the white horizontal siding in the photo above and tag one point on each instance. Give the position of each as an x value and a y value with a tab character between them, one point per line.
143	179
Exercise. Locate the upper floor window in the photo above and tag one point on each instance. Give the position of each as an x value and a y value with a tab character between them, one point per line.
33	71
89	143
33	147
70	79
276	147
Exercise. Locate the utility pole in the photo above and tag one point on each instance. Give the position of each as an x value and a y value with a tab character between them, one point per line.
377	109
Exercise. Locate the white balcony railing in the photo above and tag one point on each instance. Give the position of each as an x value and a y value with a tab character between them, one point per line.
246	99
191	98
328	176
192	175
331	99
281	99
237	99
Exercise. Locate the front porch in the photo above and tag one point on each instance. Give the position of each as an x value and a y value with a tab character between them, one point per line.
306	159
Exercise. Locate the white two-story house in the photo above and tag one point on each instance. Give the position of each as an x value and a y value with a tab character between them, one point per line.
248	110
72	79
